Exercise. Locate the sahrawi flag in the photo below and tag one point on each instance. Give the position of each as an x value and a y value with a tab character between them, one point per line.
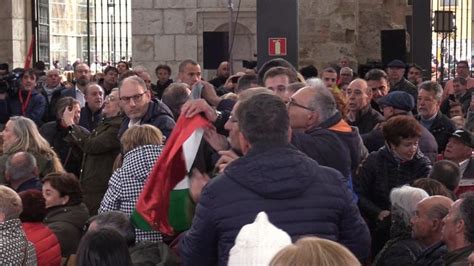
163	204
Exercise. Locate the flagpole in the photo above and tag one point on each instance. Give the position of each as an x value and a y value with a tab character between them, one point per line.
231	36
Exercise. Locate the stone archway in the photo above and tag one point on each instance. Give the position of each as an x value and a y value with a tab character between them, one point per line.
244	46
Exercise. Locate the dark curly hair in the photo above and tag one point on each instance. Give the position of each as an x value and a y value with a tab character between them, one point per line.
401	127
67	185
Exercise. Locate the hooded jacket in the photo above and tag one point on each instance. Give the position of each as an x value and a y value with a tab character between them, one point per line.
100	148
67	223
349	136
158	114
326	148
300	197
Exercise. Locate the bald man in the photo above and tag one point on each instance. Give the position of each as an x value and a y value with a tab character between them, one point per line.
361	114
427	225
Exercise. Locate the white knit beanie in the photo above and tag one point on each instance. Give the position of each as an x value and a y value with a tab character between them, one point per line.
257	243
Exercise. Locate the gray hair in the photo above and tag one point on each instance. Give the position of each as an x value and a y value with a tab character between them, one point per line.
404	200
118	221
347	69
323	102
23	168
10	203
434	87
136	80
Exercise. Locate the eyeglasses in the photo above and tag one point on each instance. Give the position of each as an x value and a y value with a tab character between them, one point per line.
233	119
292	102
136	97
109	98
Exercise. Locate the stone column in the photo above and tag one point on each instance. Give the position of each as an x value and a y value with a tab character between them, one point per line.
13	36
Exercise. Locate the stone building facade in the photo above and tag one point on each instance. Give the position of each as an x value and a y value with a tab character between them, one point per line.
168	31
15	35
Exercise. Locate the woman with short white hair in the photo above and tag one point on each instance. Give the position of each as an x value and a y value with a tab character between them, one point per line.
402	249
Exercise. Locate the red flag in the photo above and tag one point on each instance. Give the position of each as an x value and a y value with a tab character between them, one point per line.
152	208
29	56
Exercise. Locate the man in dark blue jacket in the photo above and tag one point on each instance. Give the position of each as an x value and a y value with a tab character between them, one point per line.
300	196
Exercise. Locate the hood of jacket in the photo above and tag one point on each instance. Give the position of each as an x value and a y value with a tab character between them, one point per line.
157	108
274	171
76	215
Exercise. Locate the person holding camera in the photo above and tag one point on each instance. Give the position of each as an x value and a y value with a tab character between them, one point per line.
26	101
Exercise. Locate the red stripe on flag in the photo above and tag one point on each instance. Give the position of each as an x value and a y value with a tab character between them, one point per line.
170	168
29	56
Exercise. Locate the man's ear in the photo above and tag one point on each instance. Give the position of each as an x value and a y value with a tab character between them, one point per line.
436	224
65	200
313	119
460	226
244	143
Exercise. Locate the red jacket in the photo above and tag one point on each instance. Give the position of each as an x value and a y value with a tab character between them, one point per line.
45	241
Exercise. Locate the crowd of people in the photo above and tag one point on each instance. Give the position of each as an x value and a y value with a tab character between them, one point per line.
295	167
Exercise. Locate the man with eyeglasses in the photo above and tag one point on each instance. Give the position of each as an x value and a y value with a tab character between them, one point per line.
463	71
140	108
275	177
307	109
361	114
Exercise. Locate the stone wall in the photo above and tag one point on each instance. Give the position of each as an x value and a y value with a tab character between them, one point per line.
168	31
332	29
16	20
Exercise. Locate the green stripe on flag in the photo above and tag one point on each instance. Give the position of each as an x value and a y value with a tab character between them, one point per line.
179	213
139	222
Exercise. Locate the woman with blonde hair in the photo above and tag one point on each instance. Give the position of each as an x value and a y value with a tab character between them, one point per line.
141	147
309	251
21	134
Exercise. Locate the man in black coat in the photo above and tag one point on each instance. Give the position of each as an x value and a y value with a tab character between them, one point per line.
300	196
140	108
429	100
361	114
399	103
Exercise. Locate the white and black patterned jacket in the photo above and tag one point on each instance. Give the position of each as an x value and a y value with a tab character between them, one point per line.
127	182
15	249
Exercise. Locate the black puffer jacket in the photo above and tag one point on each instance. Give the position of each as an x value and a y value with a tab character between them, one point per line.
401	249
300	197
380	173
326	148
158	115
366	119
